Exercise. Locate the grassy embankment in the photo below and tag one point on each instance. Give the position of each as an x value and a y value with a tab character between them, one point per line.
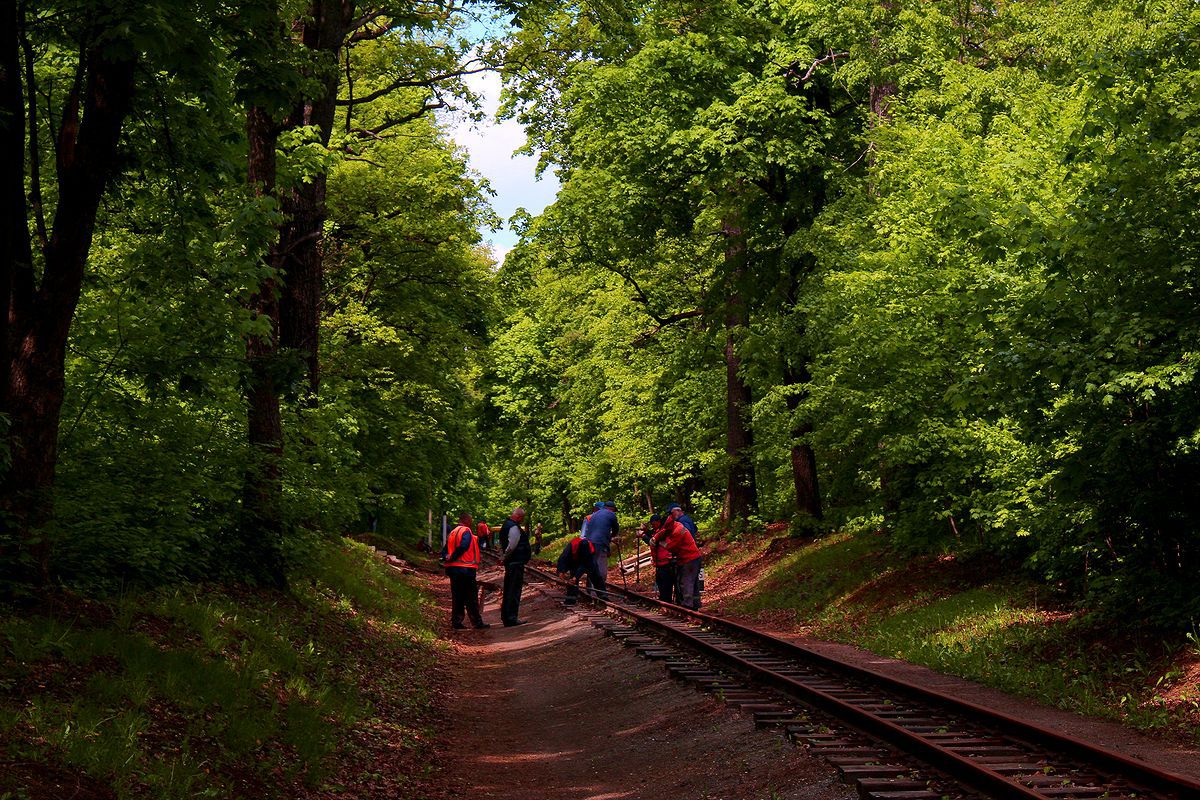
966	620
323	691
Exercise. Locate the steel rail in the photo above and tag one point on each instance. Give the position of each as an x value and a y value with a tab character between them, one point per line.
952	763
1097	756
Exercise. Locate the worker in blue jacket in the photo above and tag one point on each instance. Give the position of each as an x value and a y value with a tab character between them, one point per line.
601	529
676	512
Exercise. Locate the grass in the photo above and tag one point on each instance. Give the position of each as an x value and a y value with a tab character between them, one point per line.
971	621
211	692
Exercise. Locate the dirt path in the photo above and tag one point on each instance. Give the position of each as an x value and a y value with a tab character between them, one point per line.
554	709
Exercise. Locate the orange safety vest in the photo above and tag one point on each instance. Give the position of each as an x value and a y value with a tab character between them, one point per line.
482	529
470	558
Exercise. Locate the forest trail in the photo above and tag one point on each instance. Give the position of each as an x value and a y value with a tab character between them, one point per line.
554	709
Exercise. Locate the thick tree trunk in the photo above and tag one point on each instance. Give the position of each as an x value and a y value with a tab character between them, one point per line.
741	491
37	319
804	476
261	529
326	27
303	276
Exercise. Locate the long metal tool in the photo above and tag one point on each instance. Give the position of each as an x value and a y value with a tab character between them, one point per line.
621	562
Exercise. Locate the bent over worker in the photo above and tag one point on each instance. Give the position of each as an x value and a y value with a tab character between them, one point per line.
460	556
516	555
678	540
578	559
601	529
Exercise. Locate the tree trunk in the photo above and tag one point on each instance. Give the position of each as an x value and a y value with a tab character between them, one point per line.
804	460
326	26
568	520
261	529
741	492
37	320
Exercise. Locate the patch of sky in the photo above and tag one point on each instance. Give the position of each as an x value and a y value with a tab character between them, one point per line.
491	146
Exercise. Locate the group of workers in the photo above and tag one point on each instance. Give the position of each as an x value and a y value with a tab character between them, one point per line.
674	551
671	537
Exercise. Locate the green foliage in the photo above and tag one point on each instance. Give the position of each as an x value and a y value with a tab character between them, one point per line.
1005	353
153	455
970	242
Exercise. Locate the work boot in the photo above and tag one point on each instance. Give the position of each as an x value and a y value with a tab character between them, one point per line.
510	623
481	625
458	626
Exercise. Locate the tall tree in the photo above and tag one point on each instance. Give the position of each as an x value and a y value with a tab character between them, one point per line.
289	301
40	280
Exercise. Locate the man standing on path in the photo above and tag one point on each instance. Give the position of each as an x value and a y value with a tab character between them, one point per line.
460	557
484	533
600	531
516	555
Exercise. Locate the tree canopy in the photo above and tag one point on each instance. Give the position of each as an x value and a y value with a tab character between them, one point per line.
923	270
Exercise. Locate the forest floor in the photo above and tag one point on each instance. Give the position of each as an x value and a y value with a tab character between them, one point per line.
325	691
943	617
555	709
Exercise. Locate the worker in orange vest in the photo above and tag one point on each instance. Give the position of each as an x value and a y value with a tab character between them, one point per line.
460	557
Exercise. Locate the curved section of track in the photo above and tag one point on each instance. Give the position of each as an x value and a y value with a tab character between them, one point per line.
990	752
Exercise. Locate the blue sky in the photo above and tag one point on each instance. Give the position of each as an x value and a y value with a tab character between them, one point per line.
490	145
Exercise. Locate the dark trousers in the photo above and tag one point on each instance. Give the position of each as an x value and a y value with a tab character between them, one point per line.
514	582
464	595
664	579
687	580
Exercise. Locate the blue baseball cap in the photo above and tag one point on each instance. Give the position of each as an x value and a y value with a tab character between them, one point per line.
672	507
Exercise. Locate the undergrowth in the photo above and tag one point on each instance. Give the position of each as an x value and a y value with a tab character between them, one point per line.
971	620
212	692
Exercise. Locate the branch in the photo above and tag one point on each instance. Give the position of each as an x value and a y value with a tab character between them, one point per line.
373	133
412	82
644	338
367	34
832	57
362	21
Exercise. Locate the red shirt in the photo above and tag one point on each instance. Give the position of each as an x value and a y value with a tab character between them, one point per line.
677	539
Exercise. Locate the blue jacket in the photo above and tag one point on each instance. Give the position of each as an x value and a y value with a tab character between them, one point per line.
686	522
602	528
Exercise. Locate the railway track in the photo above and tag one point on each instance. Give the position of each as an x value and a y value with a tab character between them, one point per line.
891	738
